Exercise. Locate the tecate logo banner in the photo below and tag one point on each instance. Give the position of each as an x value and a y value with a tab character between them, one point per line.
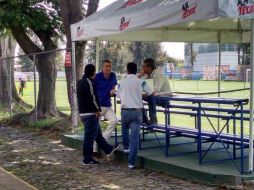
187	10
130	3
80	31
244	8
124	24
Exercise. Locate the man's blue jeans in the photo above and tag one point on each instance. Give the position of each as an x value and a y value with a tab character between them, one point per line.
152	105
93	133
131	119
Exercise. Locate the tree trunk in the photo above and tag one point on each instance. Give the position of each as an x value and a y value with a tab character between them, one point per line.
7	49
4	82
46	67
239	54
80	53
46	103
192	55
137	54
71	12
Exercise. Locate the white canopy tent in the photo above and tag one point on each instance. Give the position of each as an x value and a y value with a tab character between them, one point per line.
211	21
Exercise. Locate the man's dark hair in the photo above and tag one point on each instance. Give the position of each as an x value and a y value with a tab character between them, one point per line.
106	61
132	68
150	63
89	70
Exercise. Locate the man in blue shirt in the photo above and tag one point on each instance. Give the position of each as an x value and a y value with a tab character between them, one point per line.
105	83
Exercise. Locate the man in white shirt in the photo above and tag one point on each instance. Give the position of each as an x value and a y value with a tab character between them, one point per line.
130	93
160	83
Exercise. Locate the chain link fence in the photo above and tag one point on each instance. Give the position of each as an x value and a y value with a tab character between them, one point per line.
22	83
205	78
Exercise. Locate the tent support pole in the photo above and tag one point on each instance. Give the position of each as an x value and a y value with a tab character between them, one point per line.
219	75
74	90
219	69
251	100
97	52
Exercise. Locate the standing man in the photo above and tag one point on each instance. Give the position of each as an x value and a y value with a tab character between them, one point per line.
105	83
89	111
130	93
22	85
160	83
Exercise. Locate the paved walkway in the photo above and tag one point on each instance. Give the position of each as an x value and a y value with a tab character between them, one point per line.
11	182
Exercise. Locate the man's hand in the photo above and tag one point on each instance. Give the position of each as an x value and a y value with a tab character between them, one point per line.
141	74
145	95
112	92
98	114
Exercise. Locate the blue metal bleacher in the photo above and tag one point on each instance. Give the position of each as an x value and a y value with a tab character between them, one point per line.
200	108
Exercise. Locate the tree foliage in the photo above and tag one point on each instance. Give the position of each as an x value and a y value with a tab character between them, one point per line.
120	53
245	57
36	26
32	15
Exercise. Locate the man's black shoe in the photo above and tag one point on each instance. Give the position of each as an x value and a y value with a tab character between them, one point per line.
114	148
91	162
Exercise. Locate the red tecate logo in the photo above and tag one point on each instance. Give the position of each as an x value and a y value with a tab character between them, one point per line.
130	3
244	8
187	10
80	31
124	24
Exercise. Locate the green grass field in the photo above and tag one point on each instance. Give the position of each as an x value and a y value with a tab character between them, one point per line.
176	85
61	95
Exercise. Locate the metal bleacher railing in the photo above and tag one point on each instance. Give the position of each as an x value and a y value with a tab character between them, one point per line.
199	108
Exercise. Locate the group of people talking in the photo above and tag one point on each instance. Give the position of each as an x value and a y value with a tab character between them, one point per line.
94	92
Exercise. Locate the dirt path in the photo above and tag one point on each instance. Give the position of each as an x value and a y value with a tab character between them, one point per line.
48	165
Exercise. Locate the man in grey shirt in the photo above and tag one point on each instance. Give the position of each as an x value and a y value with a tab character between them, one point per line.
160	83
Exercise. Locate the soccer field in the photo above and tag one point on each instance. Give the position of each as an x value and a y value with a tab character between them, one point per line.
176	85
61	94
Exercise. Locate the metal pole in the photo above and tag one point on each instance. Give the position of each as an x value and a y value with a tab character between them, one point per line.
35	92
219	69
74	88
251	100
219	76
97	52
10	90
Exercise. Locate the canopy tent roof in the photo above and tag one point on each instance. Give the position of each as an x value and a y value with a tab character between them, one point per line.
226	21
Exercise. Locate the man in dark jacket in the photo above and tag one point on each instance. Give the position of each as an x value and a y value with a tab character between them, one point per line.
89	110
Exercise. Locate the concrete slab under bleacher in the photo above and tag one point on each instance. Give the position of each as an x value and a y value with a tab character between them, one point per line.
185	166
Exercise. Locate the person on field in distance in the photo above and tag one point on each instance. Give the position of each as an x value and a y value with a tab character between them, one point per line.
90	112
105	84
160	83
22	85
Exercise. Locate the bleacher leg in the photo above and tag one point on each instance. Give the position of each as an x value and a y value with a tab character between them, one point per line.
234	132
242	150
199	132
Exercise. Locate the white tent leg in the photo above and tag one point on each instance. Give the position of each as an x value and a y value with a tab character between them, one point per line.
251	100
74	89
97	52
